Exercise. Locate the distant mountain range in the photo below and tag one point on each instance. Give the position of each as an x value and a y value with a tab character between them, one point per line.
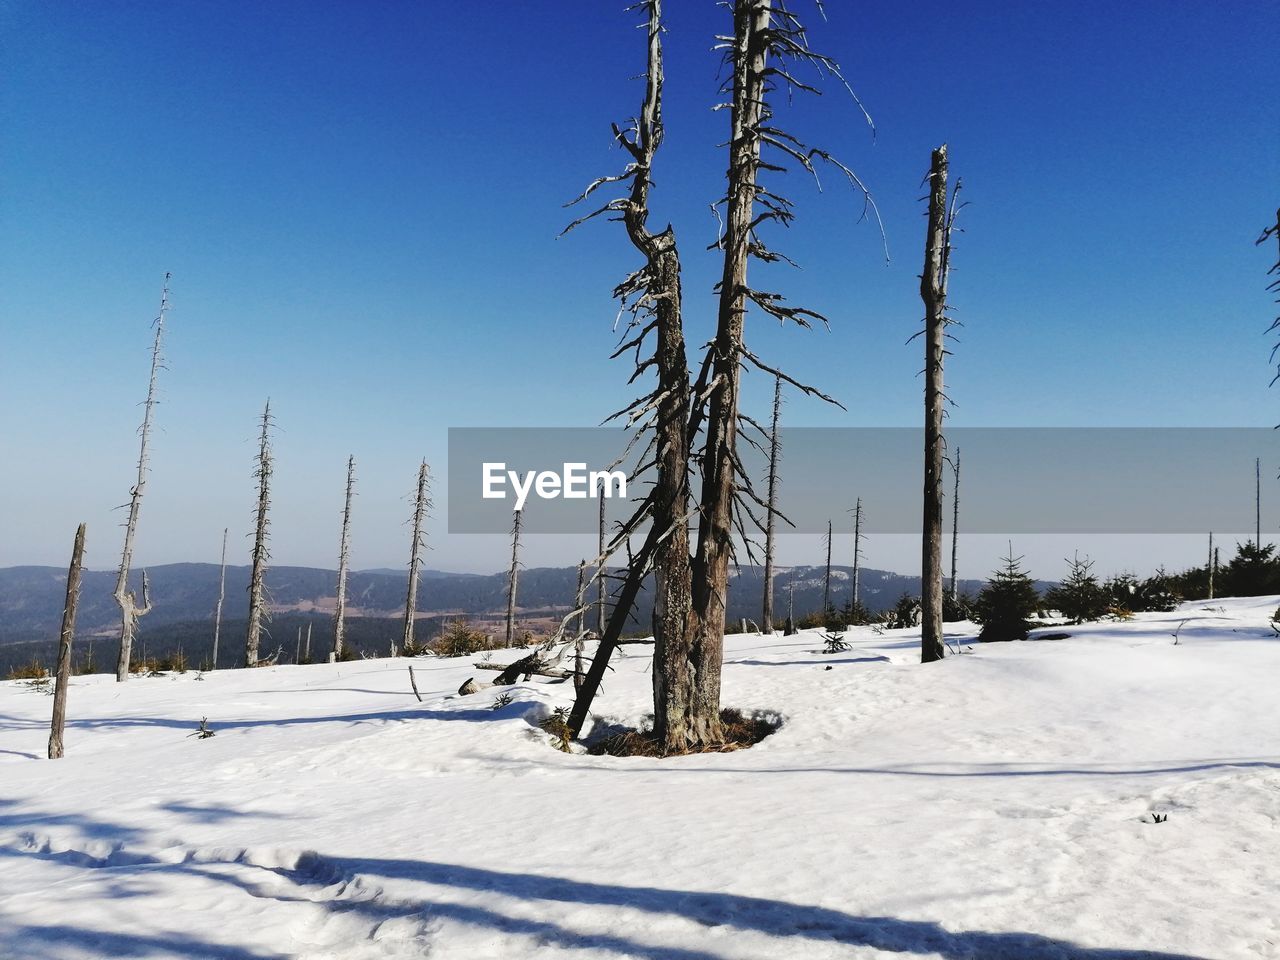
185	595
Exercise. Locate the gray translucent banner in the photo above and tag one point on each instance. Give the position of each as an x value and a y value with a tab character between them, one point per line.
1012	480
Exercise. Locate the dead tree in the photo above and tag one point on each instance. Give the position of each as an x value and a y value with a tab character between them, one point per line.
126	600
340	609
601	571
258	614
578	644
933	291
857	547
513	578
766	615
761	31
421	503
1210	565
652	297
955	523
64	647
768	44
222	595
826	580
1257	502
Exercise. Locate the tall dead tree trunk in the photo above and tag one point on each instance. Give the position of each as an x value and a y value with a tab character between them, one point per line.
601	572
933	291
126	600
344	558
64	647
857	548
513	578
1257	502
826	581
652	294
1210	565
760	29
955	524
222	595
766	614
421	502
261	554
710	581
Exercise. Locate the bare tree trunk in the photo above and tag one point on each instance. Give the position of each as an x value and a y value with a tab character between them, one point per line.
222	595
257	584
826	582
857	547
766	615
340	610
601	573
1209	567
933	291
420	504
580	606
513	578
710	581
306	650
64	647
1257	502
955	525
130	611
652	295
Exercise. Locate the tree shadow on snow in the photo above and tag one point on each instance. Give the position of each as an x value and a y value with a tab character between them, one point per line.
710	909
52	943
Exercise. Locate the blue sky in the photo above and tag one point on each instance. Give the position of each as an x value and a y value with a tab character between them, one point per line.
360	203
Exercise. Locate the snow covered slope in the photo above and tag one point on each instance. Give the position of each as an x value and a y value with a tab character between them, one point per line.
995	805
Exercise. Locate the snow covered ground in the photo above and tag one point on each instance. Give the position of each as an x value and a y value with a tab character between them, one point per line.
996	805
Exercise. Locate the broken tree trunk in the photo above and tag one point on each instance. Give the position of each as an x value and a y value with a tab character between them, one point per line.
933	291
64	647
340	609
258	570
130	611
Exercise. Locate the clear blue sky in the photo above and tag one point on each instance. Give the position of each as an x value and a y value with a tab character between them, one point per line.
360	202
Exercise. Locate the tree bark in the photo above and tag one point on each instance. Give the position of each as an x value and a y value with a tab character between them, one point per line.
64	647
933	291
258	570
130	611
344	557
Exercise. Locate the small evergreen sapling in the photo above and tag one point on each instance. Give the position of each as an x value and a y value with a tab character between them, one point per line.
1080	597
1006	603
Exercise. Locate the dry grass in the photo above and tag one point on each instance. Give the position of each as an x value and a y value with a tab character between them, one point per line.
32	671
460	639
740	732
